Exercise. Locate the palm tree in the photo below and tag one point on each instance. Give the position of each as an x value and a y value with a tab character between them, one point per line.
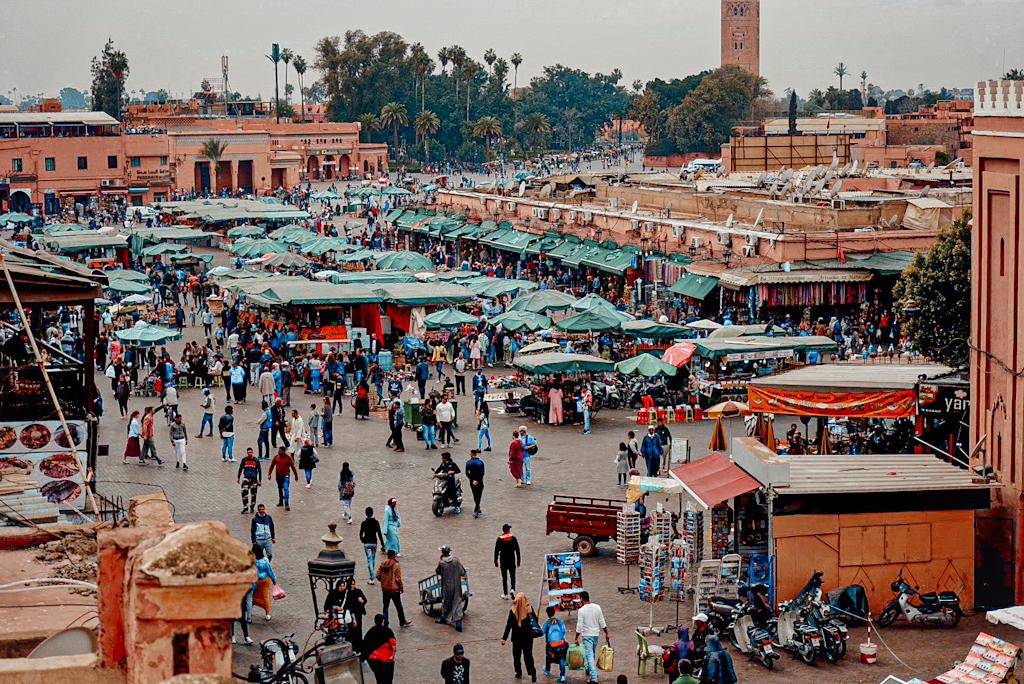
1014	75
487	127
458	58
117	65
275	57
426	124
443	55
516	60
469	71
368	122
489	57
300	70
286	56
423	67
536	126
213	149
841	71
571	116
500	72
394	114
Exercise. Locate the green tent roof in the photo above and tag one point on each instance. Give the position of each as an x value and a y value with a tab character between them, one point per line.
654	330
589	321
693	285
127	286
374	277
393	215
577	257
616	261
715	347
301	292
402	260
567	247
423	294
646	365
557	362
494	237
164	248
146	335
449	318
80	241
540	301
521	321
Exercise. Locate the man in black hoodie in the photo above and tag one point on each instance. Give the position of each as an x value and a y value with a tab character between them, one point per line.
508	558
455	670
250	476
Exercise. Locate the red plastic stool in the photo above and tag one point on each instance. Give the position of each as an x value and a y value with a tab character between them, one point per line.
661	414
641	417
698	413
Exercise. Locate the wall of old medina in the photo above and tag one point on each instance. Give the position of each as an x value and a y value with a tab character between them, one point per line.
152	582
997	333
935	549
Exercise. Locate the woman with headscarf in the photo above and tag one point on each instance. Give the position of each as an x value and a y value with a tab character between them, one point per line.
717	664
392	521
519	626
264	579
515	459
676	653
378	650
133	447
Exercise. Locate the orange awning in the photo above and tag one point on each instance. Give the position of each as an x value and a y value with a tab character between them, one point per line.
714	479
860	404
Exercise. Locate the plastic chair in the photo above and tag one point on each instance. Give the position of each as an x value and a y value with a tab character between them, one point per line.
670	415
646	653
652	416
199	383
688	414
218	381
641	417
647	402
661	414
698	414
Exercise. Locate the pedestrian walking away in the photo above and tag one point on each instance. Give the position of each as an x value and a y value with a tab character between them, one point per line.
378	650
308	460
460	374
261	531
519	626
346	490
451	571
389	574
313	423
208	407
515	458
369	535
283	467
555	646
483	426
621	462
455	670
507	557
632	449
226	429
250	477
397	421
278	420
718	667
529	451
179	440
475	473
392	521
133	446
326	422
589	624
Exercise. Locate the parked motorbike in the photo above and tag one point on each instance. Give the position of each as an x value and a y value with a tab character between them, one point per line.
749	638
792	632
832	630
445	499
609	393
941	608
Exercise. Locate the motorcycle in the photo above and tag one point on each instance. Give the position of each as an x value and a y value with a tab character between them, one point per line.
792	632
747	637
279	657
941	608
832	630
609	394
443	499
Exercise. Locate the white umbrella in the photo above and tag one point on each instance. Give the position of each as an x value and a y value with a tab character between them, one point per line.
136	299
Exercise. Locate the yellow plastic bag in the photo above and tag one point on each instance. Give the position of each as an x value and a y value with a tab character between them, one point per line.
605	657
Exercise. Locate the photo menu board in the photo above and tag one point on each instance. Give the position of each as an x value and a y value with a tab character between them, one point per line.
989	661
564	575
43	449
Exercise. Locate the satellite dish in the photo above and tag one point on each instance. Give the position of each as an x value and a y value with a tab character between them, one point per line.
829	175
787	175
931	166
728	221
835	162
634	207
977	447
820	185
837	187
818	171
74	641
522	188
894	221
786	189
927	189
759	221
845	170
760	179
774	190
853	170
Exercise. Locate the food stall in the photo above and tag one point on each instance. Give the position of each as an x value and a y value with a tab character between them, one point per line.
724	366
651	337
564	371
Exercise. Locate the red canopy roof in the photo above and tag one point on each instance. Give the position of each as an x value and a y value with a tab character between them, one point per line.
714	479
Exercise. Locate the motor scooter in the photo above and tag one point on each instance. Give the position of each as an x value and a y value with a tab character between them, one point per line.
791	631
942	608
609	394
443	498
833	631
747	637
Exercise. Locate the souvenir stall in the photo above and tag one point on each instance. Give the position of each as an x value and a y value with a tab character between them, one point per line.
725	366
563	373
651	337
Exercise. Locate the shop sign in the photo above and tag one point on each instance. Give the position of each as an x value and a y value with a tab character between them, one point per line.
155	175
943	400
760	355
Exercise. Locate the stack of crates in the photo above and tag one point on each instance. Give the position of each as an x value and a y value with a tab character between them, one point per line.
627	539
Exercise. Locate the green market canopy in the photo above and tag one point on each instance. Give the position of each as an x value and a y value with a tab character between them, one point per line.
588	321
127	286
521	321
543	300
147	335
653	330
646	365
562	363
164	248
449	318
255	248
423	294
245	231
15	217
374	277
398	261
695	286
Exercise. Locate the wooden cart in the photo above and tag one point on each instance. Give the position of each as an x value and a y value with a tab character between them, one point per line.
430	593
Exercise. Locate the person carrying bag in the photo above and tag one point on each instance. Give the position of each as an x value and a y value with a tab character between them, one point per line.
556	648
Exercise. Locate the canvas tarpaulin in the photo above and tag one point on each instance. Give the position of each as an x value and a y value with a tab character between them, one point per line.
926	213
864	404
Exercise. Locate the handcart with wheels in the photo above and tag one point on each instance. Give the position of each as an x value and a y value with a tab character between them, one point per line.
430	593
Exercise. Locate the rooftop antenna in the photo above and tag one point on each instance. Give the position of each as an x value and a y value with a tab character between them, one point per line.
759	221
522	188
925	191
836	188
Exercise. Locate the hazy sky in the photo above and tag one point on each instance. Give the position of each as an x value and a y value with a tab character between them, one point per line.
47	44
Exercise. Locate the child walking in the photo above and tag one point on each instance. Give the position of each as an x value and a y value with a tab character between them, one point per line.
622	464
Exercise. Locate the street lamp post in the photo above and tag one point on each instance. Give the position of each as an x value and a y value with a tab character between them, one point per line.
337	662
330	569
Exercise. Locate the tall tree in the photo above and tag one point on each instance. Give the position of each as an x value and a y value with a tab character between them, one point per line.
516	60
71	98
489	57
469	70
394	114
939	282
109	71
426	124
213	149
570	116
537	127
792	113
443	56
487	127
458	57
500	72
841	71
299	64
706	118
286	56
275	57
367	123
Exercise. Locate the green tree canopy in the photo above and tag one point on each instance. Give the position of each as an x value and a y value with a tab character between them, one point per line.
939	282
707	116
109	71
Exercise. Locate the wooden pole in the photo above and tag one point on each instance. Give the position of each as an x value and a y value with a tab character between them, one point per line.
49	386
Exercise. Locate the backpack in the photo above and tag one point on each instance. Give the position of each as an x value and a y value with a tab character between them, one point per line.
670	660
348	490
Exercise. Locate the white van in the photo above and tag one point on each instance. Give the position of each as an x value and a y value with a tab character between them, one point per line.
706	165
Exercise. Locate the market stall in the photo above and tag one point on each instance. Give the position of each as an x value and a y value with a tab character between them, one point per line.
559	377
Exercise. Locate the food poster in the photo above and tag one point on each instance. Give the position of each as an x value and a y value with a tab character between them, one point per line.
564	575
989	661
43	449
